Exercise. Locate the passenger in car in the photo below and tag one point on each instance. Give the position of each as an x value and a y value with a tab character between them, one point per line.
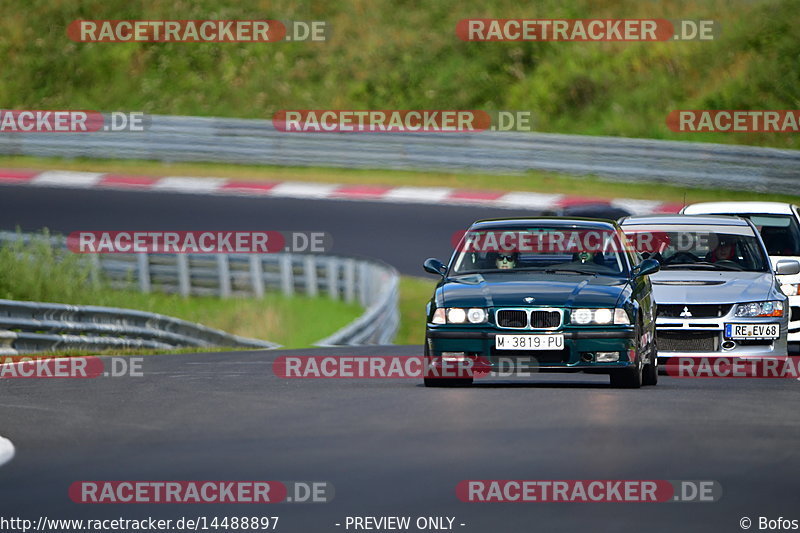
597	258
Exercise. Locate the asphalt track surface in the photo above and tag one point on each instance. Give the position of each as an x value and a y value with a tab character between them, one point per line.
393	447
403	235
390	447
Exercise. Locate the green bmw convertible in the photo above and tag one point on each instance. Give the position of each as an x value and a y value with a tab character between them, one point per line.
542	295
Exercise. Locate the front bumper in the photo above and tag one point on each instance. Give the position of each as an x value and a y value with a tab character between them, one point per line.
705	338
794	301
794	319
580	345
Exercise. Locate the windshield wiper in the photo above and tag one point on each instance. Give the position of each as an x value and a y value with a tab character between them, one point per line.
702	264
569	270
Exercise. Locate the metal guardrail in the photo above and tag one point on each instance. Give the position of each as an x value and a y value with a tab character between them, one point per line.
372	284
378	325
27	327
198	139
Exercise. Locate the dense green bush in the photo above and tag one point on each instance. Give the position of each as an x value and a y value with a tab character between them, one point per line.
405	54
35	271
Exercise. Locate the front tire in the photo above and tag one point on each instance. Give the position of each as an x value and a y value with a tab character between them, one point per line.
650	372
448	382
431	381
631	377
627	378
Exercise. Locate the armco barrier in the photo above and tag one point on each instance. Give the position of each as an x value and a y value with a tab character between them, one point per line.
27	327
378	325
372	284
199	139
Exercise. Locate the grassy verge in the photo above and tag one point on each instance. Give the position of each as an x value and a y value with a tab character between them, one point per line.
414	295
35	272
533	181
294	322
384	54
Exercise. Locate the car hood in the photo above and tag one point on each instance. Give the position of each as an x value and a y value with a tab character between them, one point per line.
692	286
509	290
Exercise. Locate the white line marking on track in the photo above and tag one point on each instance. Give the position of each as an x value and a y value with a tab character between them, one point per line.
417	194
6	450
188	184
66	178
529	200
293	189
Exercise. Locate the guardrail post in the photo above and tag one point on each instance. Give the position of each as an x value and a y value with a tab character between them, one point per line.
364	271
310	267
224	275
349	280
333	278
94	273
184	279
257	275
287	276
143	271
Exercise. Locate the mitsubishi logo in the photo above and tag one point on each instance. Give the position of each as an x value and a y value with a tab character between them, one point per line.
685	313
529	299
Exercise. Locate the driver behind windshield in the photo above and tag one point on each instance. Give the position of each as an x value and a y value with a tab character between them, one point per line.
568	250
506	261
724	251
704	248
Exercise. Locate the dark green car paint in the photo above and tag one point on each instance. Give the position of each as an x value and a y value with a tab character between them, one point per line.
629	290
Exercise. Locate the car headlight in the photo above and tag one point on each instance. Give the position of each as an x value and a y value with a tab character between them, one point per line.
603	316
754	309
458	315
477	315
791	289
600	317
582	316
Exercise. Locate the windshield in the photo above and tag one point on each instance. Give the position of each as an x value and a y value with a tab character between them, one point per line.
694	247
780	233
546	249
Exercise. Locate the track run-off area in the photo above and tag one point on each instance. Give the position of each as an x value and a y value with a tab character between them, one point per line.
390	447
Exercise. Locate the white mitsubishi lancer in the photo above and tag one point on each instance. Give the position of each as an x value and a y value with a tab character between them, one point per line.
779	225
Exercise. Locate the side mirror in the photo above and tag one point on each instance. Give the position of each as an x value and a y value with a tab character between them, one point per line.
646	267
434	266
787	267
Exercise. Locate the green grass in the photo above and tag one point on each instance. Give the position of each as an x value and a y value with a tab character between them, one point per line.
390	54
294	322
414	295
37	273
534	181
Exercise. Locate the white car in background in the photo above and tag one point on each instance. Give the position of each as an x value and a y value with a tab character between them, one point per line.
779	225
